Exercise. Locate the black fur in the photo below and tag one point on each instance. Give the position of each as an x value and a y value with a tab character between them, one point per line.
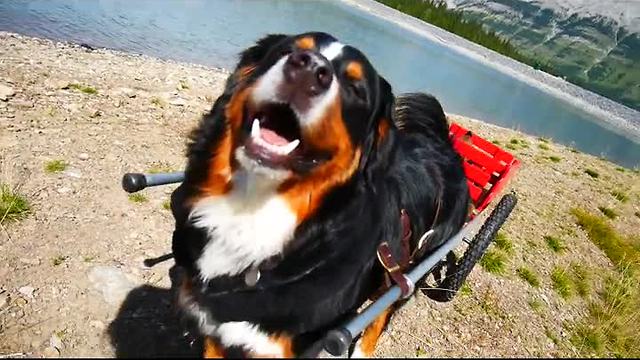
332	266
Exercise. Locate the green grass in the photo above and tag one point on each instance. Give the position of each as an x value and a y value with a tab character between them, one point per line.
536	305
88	258
561	283
555	159
83	88
159	167
503	243
514	141
620	196
581	279
621	169
13	205
166	205
528	276
575	151
55	166
594	174
622	250
494	261
137	198
465	289
543	146
608	212
158	102
544	140
58	260
495	142
184	85
555	244
511	146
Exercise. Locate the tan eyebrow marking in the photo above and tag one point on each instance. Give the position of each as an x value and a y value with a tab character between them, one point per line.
354	70
306	43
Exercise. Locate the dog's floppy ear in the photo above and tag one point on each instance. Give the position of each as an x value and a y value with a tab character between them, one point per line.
250	57
379	141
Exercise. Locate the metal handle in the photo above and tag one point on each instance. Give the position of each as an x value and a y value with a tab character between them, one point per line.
133	182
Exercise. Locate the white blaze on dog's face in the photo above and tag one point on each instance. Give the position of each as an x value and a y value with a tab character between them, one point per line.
302	112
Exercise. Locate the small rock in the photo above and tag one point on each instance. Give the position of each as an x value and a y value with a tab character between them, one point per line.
51	352
130	93
64	190
20	302
177	101
29	261
56	342
111	282
83	156
6	92
72	173
27	291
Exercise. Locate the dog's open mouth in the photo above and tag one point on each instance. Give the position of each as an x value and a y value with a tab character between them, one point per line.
275	138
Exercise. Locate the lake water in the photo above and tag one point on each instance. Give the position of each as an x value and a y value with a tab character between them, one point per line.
213	32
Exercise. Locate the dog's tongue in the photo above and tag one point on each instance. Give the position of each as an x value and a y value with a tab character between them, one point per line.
272	137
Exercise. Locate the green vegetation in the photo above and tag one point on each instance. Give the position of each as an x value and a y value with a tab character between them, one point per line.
620	169
554	339
465	289
58	260
13	206
184	85
495	142
544	140
493	261
620	196
581	279
536	305
610	213
528	276
166	205
555	159
561	282
55	166
594	174
83	88
158	102
575	151
137	198
612	325
159	167
503	243
543	146
88	258
437	13
554	243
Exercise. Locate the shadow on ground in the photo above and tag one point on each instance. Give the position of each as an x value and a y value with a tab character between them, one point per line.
146	326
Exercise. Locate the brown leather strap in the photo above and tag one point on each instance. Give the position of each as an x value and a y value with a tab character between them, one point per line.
385	256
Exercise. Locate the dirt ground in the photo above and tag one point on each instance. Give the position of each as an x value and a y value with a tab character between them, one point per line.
72	278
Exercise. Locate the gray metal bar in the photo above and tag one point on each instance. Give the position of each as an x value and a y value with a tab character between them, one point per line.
334	342
164	178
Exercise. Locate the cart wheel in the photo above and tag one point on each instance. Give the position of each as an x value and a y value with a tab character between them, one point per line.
457	272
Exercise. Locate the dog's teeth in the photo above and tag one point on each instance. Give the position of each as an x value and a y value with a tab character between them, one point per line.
287	149
255	129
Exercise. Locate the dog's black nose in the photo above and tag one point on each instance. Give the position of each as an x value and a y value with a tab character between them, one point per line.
309	71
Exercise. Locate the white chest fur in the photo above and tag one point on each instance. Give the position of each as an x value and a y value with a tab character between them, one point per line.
244	229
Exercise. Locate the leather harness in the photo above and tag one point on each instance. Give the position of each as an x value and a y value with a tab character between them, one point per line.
395	268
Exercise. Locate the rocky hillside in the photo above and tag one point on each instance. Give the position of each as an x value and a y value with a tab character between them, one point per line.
595	44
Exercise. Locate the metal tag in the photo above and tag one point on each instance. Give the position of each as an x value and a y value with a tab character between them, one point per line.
251	277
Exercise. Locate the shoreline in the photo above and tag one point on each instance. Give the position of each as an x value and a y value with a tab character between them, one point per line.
615	116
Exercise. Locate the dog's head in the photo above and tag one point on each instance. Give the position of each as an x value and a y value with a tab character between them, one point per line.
305	110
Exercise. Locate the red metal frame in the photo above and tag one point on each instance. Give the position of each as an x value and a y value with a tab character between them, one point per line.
488	168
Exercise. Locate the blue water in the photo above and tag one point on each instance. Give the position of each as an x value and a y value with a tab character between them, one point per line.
213	32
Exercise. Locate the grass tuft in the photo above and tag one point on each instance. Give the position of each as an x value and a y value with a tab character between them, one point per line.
594	174
621	169
55	166
555	159
544	140
554	339
503	243
494	261
137	198
465	289
555	244
83	88
184	85
13	206
158	102
620	196
581	279
561	282
543	146
166	205
495	142
58	260
610	213
528	276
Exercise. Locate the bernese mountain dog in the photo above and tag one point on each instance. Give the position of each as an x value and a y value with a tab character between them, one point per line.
304	166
